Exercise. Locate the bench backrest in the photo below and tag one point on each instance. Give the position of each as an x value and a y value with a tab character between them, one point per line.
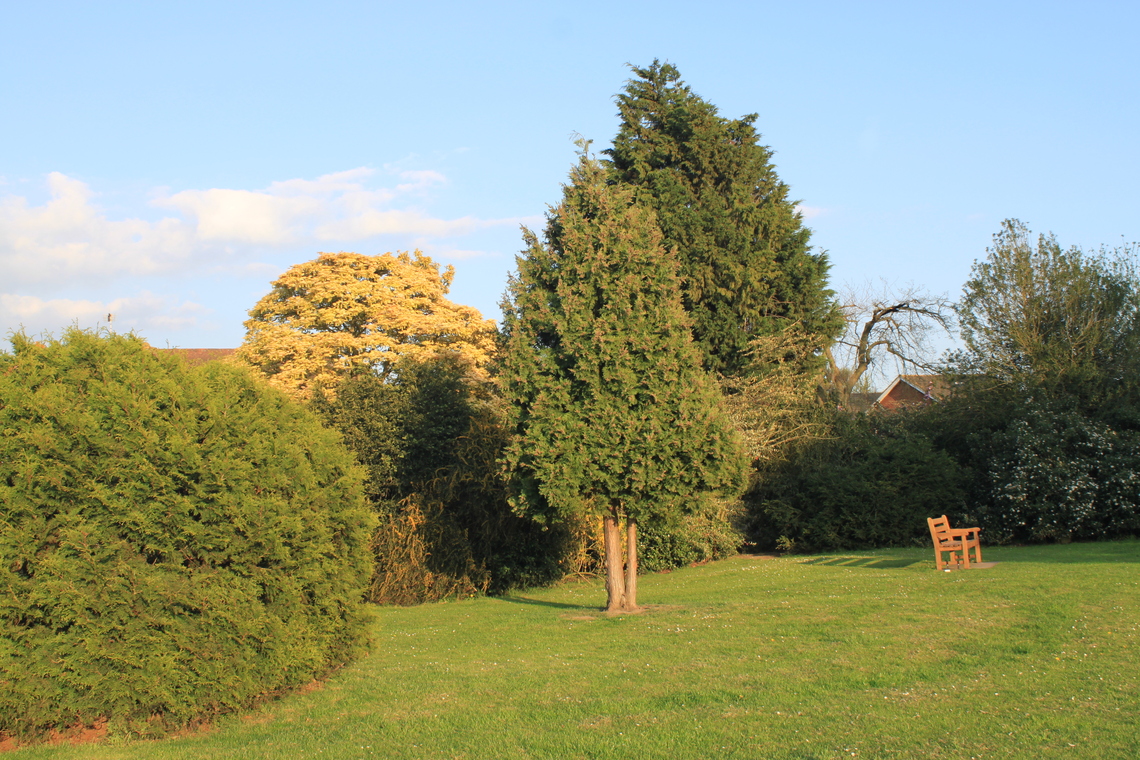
939	529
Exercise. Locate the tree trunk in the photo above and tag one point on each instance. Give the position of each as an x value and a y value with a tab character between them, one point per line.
631	565
615	583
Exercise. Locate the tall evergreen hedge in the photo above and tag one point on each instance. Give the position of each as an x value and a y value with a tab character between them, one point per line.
174	543
868	482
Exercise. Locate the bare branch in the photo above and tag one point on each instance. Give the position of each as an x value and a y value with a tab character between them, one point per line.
887	321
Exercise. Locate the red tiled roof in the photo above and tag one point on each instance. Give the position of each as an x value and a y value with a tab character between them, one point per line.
197	356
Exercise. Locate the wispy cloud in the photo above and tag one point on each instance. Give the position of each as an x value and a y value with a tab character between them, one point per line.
68	239
35	315
243	216
810	212
71	240
334	207
375	222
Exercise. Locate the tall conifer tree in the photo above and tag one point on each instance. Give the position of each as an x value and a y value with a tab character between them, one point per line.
614	415
746	265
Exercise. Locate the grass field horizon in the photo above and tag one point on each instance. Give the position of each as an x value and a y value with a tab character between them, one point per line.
857	654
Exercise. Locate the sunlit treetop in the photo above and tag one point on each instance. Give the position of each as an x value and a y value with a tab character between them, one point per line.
342	311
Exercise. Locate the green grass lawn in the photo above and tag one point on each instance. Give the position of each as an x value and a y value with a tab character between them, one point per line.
855	655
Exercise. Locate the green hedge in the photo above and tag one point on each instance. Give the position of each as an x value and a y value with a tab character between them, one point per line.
708	533
1043	469
871	483
430	441
174	543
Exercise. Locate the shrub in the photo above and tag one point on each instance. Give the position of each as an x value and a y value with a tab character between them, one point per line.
705	534
430	440
871	484
1052	474
1040	468
174	543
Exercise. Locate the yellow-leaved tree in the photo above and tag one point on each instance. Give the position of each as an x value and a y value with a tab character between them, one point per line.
340	311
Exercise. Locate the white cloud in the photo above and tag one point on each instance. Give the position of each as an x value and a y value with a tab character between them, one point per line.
371	222
243	216
36	315
337	206
810	212
420	180
70	240
323	185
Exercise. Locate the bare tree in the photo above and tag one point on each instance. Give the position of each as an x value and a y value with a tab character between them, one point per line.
882	324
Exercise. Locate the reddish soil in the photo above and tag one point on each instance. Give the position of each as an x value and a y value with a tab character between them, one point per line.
83	734
77	734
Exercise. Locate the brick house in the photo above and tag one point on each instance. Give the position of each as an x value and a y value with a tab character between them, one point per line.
912	391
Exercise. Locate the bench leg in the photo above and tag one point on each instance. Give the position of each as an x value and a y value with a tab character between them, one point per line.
953	557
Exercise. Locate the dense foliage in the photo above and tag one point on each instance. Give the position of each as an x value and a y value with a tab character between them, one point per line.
776	404
702	535
871	482
430	439
326	318
614	417
1046	415
1054	474
174	543
1054	321
745	263
1038	468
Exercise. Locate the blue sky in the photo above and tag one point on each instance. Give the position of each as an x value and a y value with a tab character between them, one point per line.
165	161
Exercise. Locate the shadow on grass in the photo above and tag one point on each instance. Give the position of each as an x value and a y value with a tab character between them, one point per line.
1082	553
878	563
544	603
1076	553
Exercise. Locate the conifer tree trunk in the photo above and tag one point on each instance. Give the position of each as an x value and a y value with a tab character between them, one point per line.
615	582
631	565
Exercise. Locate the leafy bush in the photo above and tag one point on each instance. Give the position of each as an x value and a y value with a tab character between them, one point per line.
1052	474
872	483
700	536
1039	467
431	440
174	543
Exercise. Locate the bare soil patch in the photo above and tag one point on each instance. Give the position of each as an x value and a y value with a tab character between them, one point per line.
78	734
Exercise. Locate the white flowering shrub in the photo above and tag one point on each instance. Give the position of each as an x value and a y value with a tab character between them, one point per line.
1056	475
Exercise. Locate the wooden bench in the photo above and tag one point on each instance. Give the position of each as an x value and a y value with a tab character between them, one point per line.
954	541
